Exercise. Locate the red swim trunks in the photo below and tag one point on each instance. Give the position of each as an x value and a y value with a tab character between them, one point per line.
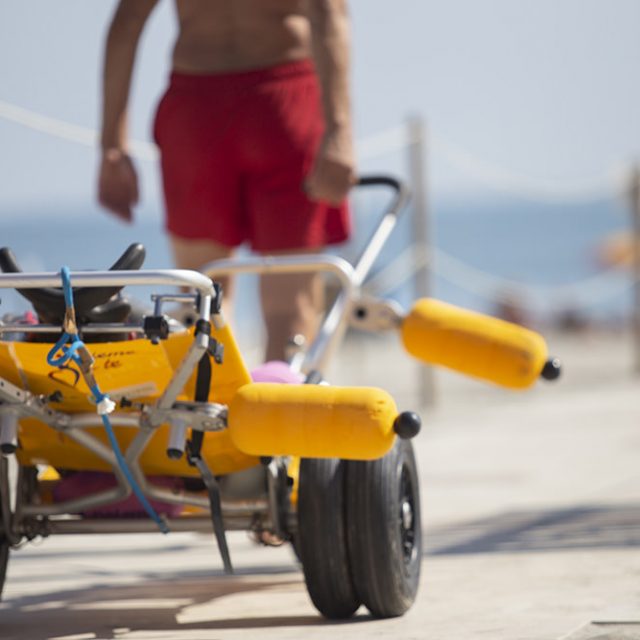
235	151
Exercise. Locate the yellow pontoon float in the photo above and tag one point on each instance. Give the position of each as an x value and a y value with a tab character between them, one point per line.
122	422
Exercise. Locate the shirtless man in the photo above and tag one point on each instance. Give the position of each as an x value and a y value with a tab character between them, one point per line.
255	138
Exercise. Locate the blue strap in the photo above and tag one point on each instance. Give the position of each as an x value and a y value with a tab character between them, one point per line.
71	353
68	353
66	287
124	467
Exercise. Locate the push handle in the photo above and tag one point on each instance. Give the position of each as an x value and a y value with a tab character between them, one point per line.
386	224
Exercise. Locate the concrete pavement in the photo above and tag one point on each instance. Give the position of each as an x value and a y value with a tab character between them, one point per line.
531	512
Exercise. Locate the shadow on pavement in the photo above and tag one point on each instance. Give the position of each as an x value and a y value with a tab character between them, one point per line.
154	604
544	530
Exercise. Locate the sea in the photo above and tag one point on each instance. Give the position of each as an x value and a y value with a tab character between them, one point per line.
481	254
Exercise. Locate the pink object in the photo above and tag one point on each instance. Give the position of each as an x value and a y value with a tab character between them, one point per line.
276	371
29	318
78	484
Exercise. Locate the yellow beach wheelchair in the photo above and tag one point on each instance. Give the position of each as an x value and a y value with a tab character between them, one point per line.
128	422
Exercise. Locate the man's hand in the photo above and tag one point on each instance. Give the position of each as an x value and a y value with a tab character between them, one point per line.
118	183
333	172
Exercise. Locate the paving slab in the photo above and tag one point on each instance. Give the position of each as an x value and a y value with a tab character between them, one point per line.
532	527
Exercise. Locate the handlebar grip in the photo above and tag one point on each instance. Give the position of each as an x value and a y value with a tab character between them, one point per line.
474	344
401	196
379	180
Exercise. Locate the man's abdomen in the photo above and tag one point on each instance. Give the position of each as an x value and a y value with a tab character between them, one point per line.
239	35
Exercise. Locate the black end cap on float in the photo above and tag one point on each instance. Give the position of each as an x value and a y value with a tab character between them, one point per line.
552	369
407	425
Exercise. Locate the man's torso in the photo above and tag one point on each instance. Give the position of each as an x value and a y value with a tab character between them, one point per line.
233	35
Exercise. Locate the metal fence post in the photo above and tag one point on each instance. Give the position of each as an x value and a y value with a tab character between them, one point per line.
417	145
634	202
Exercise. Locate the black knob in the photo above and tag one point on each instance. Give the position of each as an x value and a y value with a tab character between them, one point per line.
552	369
407	425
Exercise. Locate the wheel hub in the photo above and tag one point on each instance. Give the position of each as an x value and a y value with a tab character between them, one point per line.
407	520
407	515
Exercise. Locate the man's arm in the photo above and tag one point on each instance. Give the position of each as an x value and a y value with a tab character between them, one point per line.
333	172
118	183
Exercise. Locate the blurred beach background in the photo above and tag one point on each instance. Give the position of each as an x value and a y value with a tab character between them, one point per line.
530	112
530	116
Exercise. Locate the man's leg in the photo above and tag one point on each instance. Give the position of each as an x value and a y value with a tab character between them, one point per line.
291	305
193	254
284	128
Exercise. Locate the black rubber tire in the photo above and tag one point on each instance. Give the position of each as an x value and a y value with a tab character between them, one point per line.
4	560
4	543
384	530
321	539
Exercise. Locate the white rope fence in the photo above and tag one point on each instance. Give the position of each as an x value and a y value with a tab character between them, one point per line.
586	293
67	131
492	287
500	179
493	176
393	139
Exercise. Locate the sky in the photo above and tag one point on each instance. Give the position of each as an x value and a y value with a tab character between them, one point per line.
524	95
